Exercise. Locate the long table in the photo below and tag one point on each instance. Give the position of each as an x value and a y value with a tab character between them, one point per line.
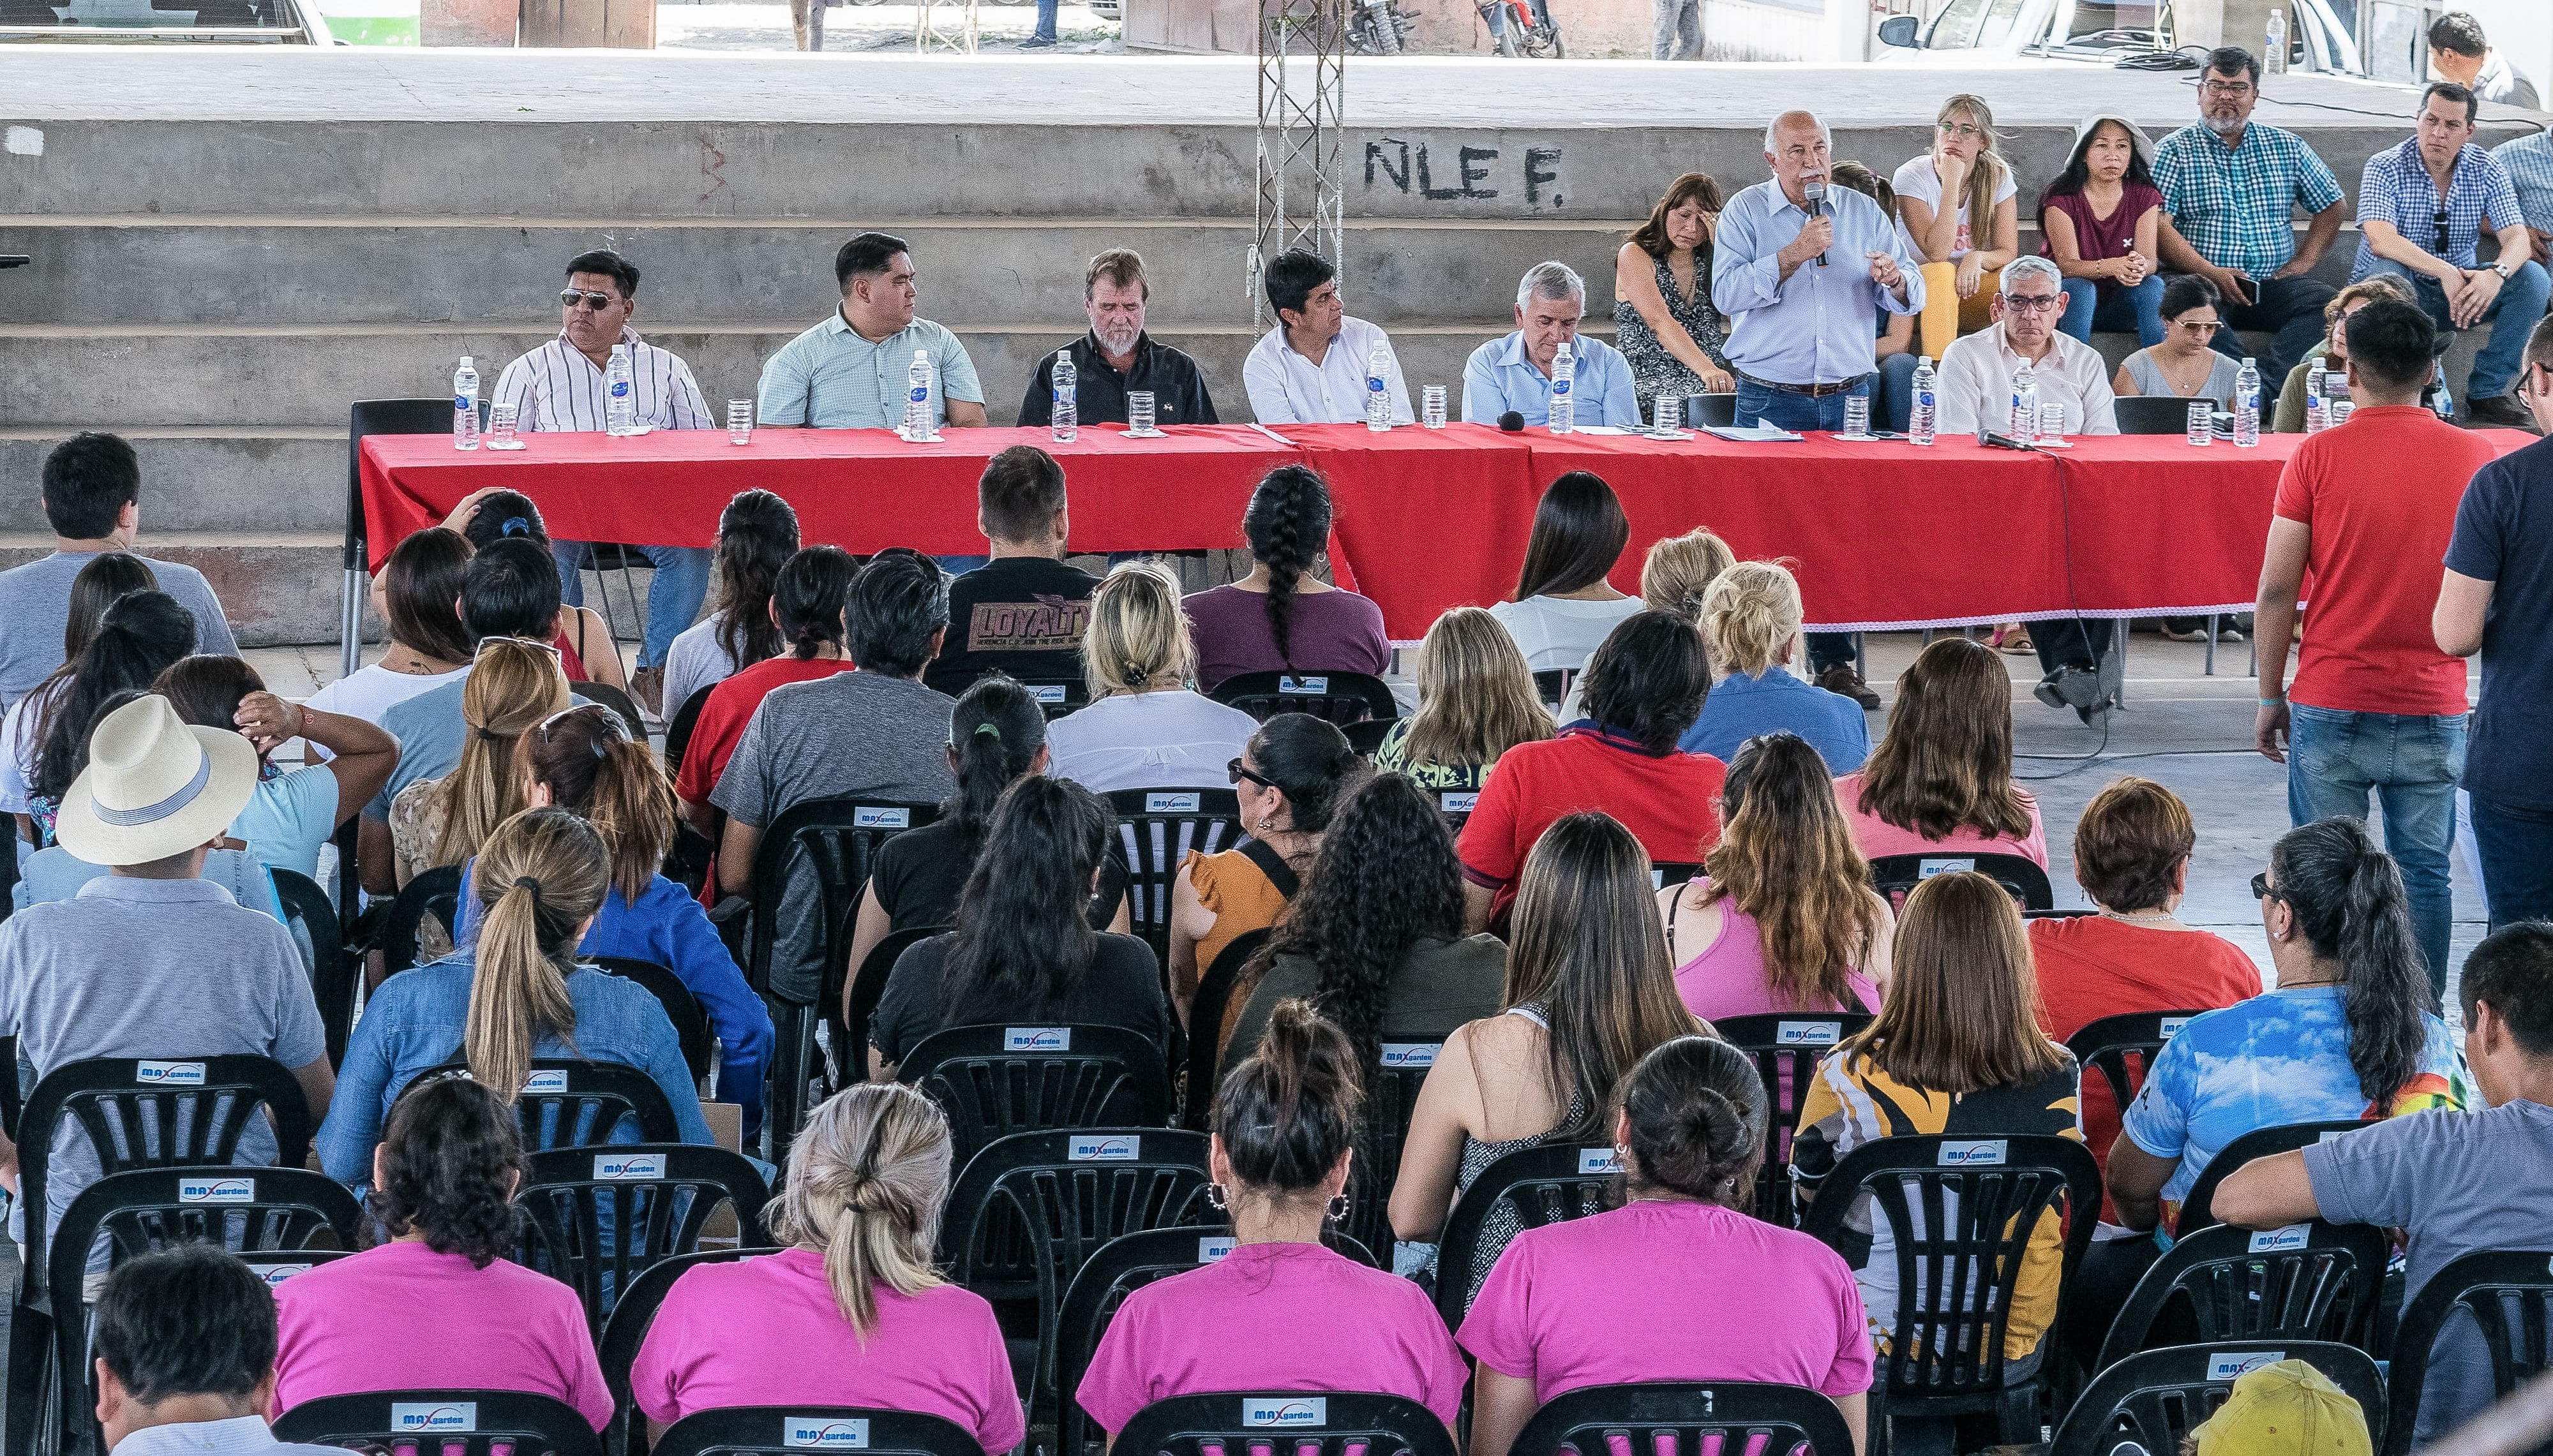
1883	534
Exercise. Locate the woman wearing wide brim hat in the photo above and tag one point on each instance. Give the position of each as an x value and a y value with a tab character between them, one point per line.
155	788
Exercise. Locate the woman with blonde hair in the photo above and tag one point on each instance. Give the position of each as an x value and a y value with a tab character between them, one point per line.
1674	578
1750	620
1956	203
514	994
434	822
1783	917
1670	334
1475	700
1940	779
853	1311
1145	726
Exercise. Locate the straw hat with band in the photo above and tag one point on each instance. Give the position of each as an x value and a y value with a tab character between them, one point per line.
155	786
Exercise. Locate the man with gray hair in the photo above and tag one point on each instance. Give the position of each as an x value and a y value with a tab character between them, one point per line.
1513	375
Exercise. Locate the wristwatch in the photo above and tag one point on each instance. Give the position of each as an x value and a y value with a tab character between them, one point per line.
2500	268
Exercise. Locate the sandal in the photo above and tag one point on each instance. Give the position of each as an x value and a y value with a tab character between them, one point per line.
2012	637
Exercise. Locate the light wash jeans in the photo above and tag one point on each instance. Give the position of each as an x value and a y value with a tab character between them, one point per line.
1678	29
2410	762
2511	317
2139	308
673	597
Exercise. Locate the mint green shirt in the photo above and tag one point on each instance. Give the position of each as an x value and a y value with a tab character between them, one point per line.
832	378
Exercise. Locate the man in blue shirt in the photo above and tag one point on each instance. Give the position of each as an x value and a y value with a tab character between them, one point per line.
853	370
1513	373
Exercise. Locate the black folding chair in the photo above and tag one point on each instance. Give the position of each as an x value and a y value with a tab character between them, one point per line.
1663	872
1701	410
1786	1051
626	1329
568	1103
1156	828
1392	1095
1057	696
686	863
1539	1186
2197	1211
2120	1049
995	1081
1302	1422
1457	805
1337	698
1672	1417
2158	1396
1205	1019
443	1423
596	1218
1896	875
429	416
691	1023
2311	1281
1955	1270
2505	1294
333	970
433	892
849	1011
776	1430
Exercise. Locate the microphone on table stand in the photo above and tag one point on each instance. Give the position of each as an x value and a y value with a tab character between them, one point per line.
1512	422
1816	193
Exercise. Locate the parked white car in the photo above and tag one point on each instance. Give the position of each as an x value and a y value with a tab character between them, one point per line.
1968	32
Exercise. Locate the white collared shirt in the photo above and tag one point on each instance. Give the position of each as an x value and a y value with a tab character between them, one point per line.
236	1437
556	387
1977	384
1287	388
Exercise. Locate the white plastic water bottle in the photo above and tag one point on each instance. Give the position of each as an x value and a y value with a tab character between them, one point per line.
2274	53
1920	423
465	405
917	400
1377	388
2445	403
2023	425
2247	405
1564	398
1065	417
620	407
2317	410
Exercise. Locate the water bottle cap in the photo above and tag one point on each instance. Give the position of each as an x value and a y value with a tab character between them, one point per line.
465	361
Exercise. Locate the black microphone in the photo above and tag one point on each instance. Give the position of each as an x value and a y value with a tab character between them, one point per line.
1512	422
1992	440
1816	193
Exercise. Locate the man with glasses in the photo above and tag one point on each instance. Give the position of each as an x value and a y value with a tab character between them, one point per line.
2229	184
561	385
2420	214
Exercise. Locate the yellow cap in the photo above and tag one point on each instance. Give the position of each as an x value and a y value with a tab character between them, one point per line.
2285	1409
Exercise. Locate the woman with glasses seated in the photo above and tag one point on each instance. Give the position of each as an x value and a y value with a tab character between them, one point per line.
2187	362
1957	205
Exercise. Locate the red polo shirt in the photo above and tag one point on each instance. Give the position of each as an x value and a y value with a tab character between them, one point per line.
729	707
1670	802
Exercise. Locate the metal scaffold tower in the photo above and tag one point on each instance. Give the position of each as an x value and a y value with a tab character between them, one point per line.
1303	94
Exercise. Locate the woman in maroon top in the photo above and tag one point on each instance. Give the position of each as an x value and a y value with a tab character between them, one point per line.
1280	618
2101	220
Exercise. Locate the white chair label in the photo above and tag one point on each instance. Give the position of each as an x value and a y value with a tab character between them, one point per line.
216	1190
168	1073
1806	1034
2281	1240
1260	1411
1170	803
2234	1364
1926	869
878	816
1591	1161
1657	880
1117	1148
1212	1250
548	1079
1047	692
1302	684
2171	1026
416	1417
275	1274
825	1433
628	1167
1457	803
1973	1153
1409	1056
1037	1038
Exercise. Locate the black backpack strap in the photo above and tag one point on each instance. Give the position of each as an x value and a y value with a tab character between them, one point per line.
1274	866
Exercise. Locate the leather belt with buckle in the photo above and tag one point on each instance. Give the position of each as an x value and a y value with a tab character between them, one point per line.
1814	391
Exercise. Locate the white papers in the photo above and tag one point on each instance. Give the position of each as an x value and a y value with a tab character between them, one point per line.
1748	433
1604	430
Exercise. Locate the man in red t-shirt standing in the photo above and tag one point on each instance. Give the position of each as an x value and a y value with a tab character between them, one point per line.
2368	508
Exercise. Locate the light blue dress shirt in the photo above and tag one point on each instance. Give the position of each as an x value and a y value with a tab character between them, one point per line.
1818	326
1499	379
832	378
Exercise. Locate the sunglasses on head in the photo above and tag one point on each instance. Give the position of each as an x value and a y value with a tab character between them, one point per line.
608	730
2262	890
598	302
486	643
1238	771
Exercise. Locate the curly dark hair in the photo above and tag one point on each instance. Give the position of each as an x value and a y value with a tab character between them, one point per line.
1288	526
450	1160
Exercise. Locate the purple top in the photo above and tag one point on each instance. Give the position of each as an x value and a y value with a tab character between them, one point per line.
1332	631
2097	237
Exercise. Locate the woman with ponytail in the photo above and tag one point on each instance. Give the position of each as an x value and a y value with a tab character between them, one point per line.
853	1311
1146	727
1284	1128
757	537
442	821
1280	617
806	605
138	635
513	994
1750	621
443	1193
1689	1129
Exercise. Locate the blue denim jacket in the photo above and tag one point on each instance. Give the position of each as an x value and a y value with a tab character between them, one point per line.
414	1023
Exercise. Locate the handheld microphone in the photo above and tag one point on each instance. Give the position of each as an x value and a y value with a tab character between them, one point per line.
1992	440
1512	422
1816	193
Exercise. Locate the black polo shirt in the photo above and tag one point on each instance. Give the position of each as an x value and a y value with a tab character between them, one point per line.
1179	390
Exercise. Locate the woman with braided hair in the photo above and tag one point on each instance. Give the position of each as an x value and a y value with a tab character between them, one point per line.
1280	617
851	1310
443	1192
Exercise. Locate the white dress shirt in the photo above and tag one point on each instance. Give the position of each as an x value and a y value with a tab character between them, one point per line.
243	1435
1287	388
556	387
1977	384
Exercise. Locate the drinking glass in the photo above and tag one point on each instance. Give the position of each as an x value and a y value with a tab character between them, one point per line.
1139	412
1432	407
2338	411
2051	422
2202	427
739	422
1856	415
500	427
1670	416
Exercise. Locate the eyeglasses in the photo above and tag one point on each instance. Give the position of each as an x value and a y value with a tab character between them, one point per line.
1238	771
2032	302
598	302
2261	889
2441	249
2232	90
1960	130
2198	330
608	729
486	643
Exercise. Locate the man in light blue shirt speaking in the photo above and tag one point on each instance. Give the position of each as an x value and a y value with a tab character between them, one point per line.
1513	373
853	370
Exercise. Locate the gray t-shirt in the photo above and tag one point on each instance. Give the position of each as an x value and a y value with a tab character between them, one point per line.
2458	1183
35	603
2148	379
151	968
862	735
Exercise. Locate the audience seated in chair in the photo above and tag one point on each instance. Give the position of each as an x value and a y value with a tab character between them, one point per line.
1674	579
186	1342
804	604
1023	612
1145	726
1563	606
757	535
107	578
418	597
1941	780
2332	355
1475	700
443	1189
1280	618
851	1310
1559	1312
1285	1127
513	994
587	651
1750	620
435	822
293	811
139	634
2285	1407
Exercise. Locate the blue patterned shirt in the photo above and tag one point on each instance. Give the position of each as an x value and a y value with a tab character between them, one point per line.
2399	189
2529	161
2232	202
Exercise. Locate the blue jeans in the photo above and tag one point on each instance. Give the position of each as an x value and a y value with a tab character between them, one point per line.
2517	846
2139	308
2511	317
2411	762
1803	413
673	598
1893	409
1046	20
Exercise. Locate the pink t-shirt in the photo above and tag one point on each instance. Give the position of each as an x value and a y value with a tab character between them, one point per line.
1375	1332
1562	1306
1726	978
359	1325
1877	837
767	1332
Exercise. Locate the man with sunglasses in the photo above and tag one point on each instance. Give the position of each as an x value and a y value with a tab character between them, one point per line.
2420	214
561	385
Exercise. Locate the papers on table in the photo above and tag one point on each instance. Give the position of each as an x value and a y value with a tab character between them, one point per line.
1748	433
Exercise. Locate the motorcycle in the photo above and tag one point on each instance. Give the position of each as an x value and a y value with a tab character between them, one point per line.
1378	28
1523	29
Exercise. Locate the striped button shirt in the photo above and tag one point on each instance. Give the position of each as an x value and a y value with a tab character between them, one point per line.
556	387
2232	202
2396	188
2529	161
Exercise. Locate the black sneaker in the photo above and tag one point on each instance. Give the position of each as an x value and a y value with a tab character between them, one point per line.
1040	42
2078	688
1842	679
2498	412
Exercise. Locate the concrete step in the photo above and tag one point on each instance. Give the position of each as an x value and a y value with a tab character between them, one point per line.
275	586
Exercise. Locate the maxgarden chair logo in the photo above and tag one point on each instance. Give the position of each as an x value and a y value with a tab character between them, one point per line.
168	1073
551	1079
1985	1153
1285	1411
1409	1056
1806	1034
878	816
825	1433
1170	803
628	1167
276	1274
1037	1038
216	1191
2282	1240
1592	1161
1121	1148
1212	1249
2234	1364
422	1417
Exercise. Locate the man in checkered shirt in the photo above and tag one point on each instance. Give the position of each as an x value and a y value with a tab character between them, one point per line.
2529	161
2228	184
2421	209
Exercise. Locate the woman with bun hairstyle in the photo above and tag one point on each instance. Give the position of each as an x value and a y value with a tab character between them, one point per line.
853	1311
1284	1128
1280	617
1145	726
757	535
1690	1132
1750	620
1475	700
444	1180
514	992
806	605
442	821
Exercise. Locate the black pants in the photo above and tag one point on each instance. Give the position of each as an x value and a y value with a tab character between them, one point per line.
2072	642
2289	310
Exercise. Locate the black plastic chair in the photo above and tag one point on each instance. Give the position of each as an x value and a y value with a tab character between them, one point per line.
1663	872
686	721
568	1103
1457	805
1541	1185
2153	414
2120	1050
1896	875
1205	1016
775	1430
626	1329
619	702
1552	687
442	1422
1337	698
1303	1424
849	1012
1156	828
2313	1280
2158	1396
1786	1051
1671	1416
2507	1293
1701	410
1392	1095
595	1218
995	1081
275	1266
691	1023
2197	1211
1057	696
687	861
1955	1278
435	893
333	970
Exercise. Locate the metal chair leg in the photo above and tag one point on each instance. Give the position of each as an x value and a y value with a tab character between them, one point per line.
2212	619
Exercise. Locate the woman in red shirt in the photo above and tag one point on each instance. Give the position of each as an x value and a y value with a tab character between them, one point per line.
807	603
